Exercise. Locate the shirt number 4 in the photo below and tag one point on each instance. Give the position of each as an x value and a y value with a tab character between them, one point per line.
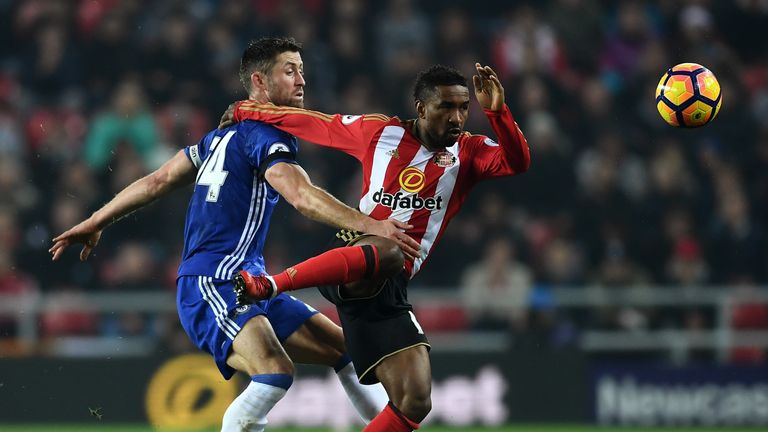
212	172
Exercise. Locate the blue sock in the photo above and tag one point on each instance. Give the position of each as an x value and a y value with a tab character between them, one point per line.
283	381
343	361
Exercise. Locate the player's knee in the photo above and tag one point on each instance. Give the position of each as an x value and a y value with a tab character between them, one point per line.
390	259
281	369
278	364
416	406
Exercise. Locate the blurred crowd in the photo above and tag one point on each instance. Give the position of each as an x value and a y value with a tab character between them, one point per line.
96	93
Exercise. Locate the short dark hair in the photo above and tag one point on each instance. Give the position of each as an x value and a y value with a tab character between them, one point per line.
437	75
261	55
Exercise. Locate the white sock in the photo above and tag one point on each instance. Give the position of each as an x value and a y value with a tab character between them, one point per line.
368	400
248	412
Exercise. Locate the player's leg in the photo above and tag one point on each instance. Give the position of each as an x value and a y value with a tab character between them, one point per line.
257	352
238	339
388	345
319	341
373	258
391	260
407	377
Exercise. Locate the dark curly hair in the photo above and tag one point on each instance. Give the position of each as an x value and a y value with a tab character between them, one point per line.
437	75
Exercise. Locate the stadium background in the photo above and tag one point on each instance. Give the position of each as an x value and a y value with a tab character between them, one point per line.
587	276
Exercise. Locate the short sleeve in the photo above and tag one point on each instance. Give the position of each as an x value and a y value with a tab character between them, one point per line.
268	146
196	153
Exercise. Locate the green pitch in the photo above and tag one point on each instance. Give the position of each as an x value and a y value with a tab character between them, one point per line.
516	428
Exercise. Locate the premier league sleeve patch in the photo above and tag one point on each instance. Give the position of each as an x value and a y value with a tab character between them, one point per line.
278	147
277	152
349	119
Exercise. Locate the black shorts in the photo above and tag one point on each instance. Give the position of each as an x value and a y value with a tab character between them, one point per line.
375	327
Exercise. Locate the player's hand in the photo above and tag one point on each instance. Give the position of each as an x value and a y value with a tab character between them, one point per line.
84	233
488	89
393	230
228	118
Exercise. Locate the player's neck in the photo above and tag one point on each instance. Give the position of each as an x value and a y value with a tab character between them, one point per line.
259	97
423	137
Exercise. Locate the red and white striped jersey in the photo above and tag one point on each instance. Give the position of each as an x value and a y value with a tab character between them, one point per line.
402	179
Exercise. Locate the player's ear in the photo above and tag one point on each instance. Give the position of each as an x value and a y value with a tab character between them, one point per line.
421	109
258	81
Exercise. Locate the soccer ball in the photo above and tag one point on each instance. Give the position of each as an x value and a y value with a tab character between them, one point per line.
688	95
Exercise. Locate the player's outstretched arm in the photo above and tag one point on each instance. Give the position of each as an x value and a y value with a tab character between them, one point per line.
348	133
511	155
178	171
293	183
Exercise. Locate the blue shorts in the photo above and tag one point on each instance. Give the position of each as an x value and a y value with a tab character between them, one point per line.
209	315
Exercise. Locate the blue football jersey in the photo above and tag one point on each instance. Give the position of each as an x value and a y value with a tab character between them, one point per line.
229	212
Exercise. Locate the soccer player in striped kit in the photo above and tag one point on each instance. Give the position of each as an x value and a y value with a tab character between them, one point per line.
418	172
238	173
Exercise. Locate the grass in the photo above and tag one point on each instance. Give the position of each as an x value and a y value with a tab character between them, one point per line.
515	428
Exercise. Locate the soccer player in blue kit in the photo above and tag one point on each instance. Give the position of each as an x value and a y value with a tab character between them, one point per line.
239	173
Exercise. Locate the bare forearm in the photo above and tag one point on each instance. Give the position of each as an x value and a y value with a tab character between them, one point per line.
178	171
137	195
293	183
323	207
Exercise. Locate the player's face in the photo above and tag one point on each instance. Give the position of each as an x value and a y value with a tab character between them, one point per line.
285	85
444	114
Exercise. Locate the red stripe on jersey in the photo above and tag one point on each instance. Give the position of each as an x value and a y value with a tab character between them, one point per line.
403	158
420	218
367	162
461	187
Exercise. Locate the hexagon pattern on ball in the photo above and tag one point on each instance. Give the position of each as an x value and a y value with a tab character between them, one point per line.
688	95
